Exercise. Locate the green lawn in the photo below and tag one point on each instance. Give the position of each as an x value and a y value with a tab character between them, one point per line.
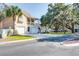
59	33
19	37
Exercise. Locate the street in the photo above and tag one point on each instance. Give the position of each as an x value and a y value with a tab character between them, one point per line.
34	48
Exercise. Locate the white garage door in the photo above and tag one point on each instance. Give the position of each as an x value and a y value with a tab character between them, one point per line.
33	30
20	30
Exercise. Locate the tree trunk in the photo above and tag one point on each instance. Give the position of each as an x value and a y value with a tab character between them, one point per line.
1	24
56	30
56	27
45	29
63	26
1	29
13	24
64	30
73	28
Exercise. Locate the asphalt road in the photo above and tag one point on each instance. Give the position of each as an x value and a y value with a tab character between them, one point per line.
34	48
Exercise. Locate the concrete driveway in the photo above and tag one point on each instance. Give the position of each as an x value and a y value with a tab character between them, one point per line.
34	48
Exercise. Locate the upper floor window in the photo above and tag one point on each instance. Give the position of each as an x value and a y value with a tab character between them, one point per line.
20	20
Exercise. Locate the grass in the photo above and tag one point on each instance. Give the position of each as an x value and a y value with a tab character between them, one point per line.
17	37
66	33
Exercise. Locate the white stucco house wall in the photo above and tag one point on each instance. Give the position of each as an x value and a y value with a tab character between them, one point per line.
35	27
25	28
21	25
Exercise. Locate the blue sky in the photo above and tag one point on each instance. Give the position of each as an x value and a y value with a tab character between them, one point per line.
35	9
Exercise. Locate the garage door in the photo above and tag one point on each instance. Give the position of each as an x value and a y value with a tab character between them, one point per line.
20	30
33	30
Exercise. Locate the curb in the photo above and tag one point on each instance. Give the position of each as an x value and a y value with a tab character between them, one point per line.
17	41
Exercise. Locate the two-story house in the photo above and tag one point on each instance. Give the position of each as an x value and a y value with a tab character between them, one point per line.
23	24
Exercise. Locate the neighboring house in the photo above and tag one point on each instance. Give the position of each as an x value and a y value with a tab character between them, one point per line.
23	24
76	27
35	26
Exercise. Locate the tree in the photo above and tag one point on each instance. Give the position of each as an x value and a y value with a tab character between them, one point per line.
63	15
1	18
73	16
13	11
58	12
44	22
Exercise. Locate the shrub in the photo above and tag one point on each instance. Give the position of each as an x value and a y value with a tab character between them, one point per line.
0	35
10	32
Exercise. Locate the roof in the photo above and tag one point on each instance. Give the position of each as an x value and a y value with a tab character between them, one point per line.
27	14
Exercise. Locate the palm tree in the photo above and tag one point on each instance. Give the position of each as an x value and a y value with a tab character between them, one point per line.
1	18
13	11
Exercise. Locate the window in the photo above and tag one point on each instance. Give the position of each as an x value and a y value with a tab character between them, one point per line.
20	20
28	29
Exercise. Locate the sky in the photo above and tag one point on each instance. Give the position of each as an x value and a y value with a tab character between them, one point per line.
35	9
